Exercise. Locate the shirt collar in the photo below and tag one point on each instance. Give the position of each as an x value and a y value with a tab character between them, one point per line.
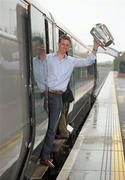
65	56
39	59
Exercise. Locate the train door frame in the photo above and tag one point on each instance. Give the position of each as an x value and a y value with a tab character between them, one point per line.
47	44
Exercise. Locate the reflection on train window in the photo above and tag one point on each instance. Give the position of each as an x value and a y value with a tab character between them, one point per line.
8	25
83	76
39	73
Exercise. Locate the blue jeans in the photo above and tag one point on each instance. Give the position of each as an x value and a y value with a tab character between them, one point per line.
55	106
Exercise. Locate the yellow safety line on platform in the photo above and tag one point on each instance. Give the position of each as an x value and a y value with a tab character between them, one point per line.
118	164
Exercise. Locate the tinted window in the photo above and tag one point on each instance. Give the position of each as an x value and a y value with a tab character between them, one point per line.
39	73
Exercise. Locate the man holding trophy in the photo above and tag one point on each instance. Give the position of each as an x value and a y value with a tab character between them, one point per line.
58	81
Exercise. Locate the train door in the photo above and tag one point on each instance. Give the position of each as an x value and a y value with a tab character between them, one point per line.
41	42
15	119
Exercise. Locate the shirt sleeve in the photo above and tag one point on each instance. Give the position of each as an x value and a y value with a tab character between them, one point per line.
87	61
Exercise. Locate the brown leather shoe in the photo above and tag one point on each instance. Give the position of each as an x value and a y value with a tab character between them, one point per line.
47	162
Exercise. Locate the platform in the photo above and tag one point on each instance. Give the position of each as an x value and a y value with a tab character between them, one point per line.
98	151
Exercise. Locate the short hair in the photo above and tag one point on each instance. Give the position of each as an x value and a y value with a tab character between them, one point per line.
38	39
64	37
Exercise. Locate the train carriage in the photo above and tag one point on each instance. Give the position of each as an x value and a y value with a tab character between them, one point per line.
23	120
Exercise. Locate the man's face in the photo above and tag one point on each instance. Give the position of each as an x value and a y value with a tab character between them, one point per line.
40	52
37	48
64	46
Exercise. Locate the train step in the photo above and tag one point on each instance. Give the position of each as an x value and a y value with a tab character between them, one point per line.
35	170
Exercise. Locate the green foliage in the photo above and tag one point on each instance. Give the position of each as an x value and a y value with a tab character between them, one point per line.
119	59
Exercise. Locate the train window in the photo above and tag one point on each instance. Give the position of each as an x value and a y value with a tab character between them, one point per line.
70	52
39	73
49	36
9	23
59	32
83	77
79	50
50	30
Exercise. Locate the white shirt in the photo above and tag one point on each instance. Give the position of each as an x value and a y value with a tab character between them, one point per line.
40	73
59	71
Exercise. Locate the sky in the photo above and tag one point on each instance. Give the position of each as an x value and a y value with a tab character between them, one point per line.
79	16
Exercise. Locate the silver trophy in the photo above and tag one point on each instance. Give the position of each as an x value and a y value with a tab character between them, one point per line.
102	34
